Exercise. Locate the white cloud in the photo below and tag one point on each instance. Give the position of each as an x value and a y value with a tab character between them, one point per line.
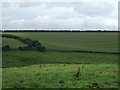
17	21
60	15
110	22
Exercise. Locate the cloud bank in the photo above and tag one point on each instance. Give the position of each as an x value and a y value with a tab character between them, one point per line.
62	15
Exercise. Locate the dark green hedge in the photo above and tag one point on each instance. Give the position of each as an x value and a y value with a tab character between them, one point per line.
31	43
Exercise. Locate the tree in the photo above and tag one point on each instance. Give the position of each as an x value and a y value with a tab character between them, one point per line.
28	41
36	43
40	48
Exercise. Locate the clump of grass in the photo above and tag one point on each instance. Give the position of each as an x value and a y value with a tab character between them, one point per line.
40	65
64	64
22	80
82	66
18	86
94	85
78	73
62	83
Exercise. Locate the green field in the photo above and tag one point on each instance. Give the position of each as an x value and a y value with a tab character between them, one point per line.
52	69
23	58
12	42
84	41
28	69
61	76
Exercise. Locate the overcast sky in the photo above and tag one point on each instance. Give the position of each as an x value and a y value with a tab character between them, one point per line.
60	15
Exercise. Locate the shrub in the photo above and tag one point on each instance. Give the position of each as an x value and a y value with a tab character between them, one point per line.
28	41
40	48
26	48
6	48
36	43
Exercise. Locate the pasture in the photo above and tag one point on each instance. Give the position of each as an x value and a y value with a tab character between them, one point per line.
25	58
53	69
61	76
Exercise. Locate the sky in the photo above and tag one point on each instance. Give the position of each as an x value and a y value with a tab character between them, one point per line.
60	15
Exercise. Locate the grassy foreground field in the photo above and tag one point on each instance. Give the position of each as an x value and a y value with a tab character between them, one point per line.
84	41
61	76
23	69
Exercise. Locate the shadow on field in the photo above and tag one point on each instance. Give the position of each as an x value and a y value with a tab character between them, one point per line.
25	58
21	62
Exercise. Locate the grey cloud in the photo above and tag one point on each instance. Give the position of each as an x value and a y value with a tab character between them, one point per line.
5	4
94	9
60	16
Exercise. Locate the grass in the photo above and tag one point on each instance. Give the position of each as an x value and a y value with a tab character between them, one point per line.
32	69
61	76
12	42
23	58
27	69
88	41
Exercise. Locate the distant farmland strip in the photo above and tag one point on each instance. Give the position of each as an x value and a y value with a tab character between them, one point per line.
78	41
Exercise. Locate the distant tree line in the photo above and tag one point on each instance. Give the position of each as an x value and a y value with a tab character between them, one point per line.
59	31
31	44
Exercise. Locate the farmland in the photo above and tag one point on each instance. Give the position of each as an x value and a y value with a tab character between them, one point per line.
53	69
86	41
12	42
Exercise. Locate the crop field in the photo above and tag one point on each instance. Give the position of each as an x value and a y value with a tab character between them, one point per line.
84	41
55	69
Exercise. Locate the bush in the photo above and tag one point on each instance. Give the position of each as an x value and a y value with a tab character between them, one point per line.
36	43
28	41
6	48
40	48
26	48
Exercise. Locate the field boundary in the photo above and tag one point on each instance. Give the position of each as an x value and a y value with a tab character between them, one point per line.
79	51
76	51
